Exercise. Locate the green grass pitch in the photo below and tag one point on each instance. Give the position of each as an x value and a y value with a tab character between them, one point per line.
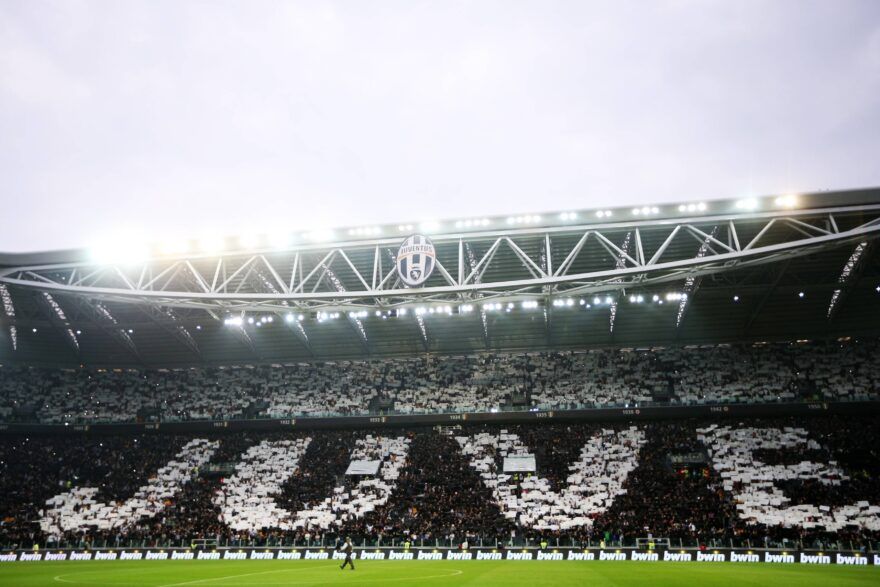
427	573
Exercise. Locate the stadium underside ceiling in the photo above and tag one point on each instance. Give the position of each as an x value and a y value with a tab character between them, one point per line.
703	278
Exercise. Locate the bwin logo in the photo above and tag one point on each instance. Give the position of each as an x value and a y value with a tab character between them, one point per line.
415	260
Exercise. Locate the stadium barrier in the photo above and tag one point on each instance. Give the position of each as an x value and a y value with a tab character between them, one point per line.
516	417
694	555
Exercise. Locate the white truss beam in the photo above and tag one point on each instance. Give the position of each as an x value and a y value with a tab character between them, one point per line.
306	278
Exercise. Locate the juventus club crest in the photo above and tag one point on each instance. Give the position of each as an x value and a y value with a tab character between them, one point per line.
415	260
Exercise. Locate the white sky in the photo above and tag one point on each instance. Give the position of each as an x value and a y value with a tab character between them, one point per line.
182	118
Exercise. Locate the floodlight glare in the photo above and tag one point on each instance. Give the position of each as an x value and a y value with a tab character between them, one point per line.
174	247
121	252
320	235
747	204
788	201
211	244
248	240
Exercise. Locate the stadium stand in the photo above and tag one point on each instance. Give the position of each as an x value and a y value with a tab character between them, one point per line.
755	373
774	481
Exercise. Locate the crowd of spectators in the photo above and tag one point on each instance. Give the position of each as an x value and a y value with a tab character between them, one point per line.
438	496
777	372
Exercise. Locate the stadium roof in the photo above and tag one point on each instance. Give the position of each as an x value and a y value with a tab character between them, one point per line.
777	267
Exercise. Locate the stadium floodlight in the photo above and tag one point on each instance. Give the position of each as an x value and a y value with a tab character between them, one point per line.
300	318
250	320
249	240
420	311
320	235
279	239
735	298
211	244
430	225
78	332
378	313
747	204
597	301
288	318
655	298
801	294
608	300
34	330
401	312
640	299
788	201
120	252
404	227
569	302
174	247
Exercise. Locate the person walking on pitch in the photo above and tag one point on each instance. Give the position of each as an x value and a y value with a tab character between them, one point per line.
347	549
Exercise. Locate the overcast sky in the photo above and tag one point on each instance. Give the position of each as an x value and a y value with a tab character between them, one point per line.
181	117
